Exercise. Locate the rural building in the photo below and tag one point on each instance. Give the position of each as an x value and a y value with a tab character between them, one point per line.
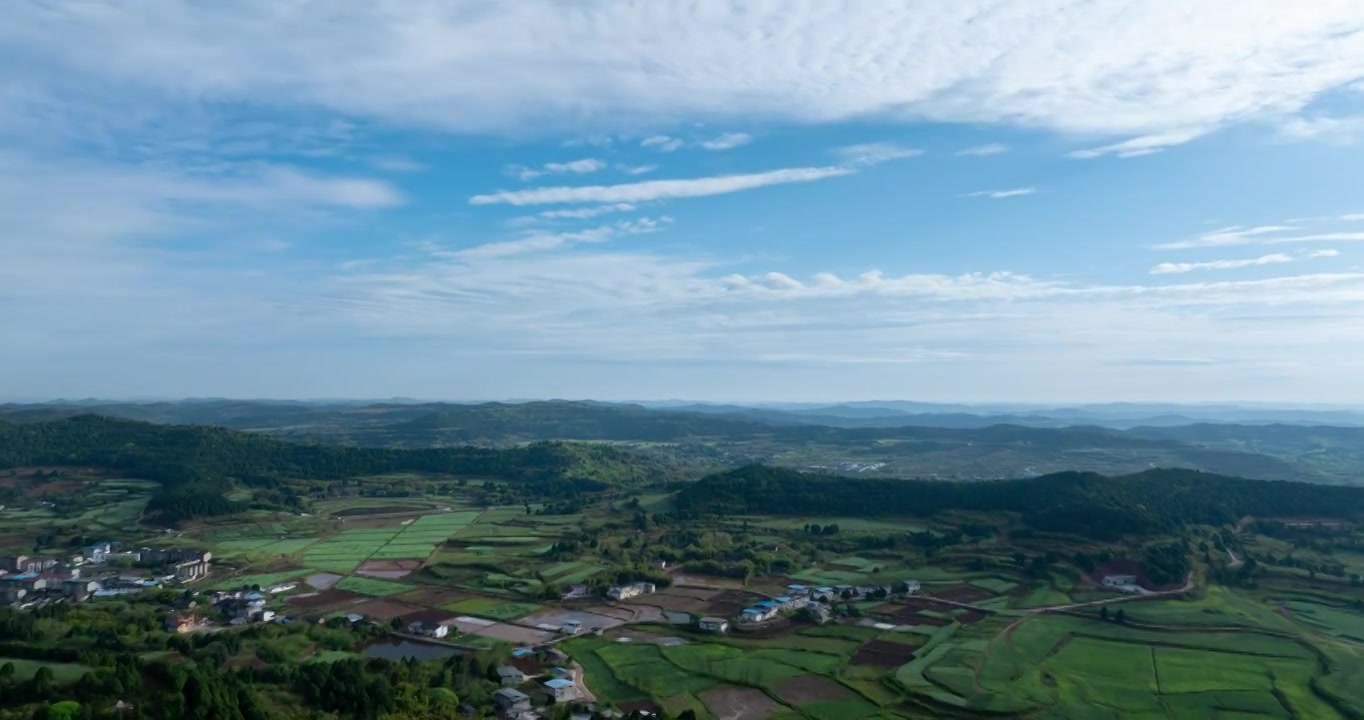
819	613
1119	581
562	690
429	629
29	581
757	614
98	552
510	676
625	592
36	564
286	587
510	700
13	563
911	587
192	569
77	587
822	593
575	592
713	624
571	627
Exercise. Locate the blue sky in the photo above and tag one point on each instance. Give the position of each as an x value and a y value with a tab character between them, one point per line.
982	201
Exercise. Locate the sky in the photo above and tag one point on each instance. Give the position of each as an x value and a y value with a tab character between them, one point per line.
730	200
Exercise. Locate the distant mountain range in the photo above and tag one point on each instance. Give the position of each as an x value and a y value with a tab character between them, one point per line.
899	438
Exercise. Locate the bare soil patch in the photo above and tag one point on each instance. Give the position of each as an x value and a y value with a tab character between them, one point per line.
910	612
970	616
738	703
323	581
429	616
326	599
811	688
692	592
513	633
883	653
642	706
385	609
963	594
730	602
557	617
675	603
433	596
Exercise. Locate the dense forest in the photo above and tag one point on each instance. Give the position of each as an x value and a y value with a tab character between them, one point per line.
197	464
1081	503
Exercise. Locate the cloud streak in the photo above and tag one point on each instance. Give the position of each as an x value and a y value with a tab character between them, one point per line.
983	150
659	189
574	167
1168	268
1003	194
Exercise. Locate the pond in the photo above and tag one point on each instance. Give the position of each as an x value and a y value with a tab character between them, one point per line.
394	649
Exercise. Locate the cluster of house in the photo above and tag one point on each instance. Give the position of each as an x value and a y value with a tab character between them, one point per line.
27	580
800	597
526	672
232	608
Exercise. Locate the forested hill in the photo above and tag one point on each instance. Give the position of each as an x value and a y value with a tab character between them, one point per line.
1083	503
197	463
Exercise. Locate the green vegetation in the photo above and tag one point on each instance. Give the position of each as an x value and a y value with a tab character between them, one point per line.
371	586
497	610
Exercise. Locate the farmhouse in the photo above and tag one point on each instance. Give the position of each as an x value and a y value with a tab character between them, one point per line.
713	624
625	592
757	614
192	569
427	628
561	689
510	676
911	587
98	552
510	700
1120	582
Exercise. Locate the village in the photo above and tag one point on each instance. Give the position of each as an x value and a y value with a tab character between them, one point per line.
97	571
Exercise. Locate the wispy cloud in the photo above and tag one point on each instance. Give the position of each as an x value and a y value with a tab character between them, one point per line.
543	241
1334	129
727	141
636	169
1140	146
1323	253
1168	268
586	213
659	189
573	167
662	143
1352	217
1260	235
1002	194
984	150
876	153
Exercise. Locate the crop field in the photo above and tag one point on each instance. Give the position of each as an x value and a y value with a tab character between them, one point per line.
371	586
1334	621
264	580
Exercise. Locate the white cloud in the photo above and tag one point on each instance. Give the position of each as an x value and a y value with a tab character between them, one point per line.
983	150
1140	146
1177	268
1333	129
573	167
1352	217
1323	253
727	141
1002	194
1227	236
658	189
1157	71
541	241
636	169
876	153
662	143
586	213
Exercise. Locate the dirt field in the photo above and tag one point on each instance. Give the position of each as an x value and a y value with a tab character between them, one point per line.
675	603
811	688
883	653
691	592
429	617
638	706
326	599
706	581
970	616
433	596
557	618
384	609
738	703
962	594
730	602
512	633
388	569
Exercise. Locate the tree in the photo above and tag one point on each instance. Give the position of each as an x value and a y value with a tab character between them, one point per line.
1120	617
6	673
65	710
1103	613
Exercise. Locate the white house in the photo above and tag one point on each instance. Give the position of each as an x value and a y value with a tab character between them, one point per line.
625	592
435	630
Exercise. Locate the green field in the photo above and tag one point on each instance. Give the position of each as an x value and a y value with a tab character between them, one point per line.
63	673
371	586
264	580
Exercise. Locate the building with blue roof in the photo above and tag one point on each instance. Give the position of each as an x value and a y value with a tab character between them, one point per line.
562	689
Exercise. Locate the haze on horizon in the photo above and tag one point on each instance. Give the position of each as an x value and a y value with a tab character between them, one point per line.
975	202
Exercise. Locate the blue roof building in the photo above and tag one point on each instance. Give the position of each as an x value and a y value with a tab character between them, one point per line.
783	600
522	652
796	588
558	683
765	604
